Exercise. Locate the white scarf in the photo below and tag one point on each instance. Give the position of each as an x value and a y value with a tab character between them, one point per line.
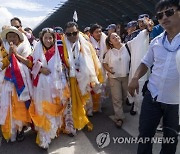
138	47
49	86
101	45
81	63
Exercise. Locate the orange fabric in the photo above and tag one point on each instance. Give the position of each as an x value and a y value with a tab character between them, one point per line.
6	128
5	62
96	102
66	92
78	101
5	59
39	120
37	139
19	111
78	112
55	109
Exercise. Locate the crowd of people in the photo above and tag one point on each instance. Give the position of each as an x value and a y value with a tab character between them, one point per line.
53	83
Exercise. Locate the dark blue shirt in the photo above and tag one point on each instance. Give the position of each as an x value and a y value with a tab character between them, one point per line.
131	36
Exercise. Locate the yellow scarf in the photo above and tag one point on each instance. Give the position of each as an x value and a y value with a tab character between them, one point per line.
78	101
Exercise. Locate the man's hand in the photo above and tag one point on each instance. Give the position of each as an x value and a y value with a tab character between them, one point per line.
149	24
133	86
45	71
26	33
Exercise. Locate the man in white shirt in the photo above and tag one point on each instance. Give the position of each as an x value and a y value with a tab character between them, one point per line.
162	97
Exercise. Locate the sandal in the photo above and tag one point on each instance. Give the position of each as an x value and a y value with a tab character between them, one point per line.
119	123
132	112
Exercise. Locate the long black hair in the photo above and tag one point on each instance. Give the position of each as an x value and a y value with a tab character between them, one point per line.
47	30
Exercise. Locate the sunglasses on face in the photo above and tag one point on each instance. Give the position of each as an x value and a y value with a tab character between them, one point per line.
17	26
71	34
47	30
168	13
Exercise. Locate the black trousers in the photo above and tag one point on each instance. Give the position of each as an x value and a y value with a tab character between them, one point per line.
151	113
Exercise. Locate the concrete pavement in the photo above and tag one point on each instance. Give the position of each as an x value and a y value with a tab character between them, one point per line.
85	142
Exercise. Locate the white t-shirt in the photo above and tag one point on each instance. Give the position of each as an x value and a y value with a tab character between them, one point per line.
118	60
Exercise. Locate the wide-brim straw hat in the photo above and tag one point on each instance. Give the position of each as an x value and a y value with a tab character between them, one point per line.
11	29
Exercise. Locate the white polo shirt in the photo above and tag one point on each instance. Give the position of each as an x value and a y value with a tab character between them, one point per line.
164	79
118	60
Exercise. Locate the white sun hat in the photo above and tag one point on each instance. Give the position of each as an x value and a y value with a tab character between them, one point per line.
11	29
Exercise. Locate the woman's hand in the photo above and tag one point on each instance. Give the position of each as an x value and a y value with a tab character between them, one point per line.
45	71
111	70
11	49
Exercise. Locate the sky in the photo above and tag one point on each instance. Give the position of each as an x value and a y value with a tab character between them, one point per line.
30	12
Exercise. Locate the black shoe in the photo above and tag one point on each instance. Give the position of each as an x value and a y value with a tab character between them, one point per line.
43	148
127	103
132	112
20	136
71	135
119	123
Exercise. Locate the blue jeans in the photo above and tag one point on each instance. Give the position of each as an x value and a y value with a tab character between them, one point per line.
151	113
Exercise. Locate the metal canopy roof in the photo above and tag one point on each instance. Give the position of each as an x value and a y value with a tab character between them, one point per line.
103	12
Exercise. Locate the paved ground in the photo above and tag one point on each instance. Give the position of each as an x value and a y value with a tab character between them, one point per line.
85	142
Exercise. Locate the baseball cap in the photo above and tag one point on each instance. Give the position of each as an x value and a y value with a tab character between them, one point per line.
58	29
86	29
111	26
142	16
131	24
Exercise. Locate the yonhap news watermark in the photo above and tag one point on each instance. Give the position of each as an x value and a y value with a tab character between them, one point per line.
104	139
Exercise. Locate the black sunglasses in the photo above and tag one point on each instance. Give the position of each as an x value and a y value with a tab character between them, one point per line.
17	26
168	13
71	34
